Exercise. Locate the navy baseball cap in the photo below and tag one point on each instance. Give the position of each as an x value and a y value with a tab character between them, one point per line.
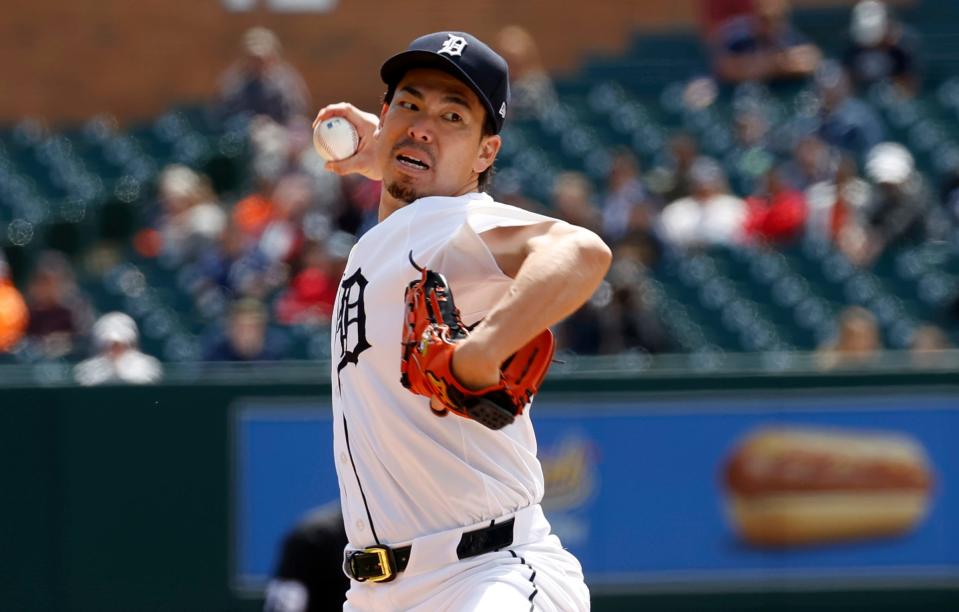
464	56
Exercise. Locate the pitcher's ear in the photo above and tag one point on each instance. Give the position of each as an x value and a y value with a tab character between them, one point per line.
383	110
489	148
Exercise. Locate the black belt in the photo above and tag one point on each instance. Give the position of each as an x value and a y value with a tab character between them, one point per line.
382	563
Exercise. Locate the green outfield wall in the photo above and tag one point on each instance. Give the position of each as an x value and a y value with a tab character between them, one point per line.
119	498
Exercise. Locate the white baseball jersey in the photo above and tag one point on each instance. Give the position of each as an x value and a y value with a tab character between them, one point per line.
403	471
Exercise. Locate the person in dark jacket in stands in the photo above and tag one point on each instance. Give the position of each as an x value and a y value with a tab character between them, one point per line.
949	196
899	210
763	46
59	312
846	122
262	82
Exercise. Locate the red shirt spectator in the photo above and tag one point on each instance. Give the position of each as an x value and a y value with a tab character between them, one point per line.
309	298
312	291
778	214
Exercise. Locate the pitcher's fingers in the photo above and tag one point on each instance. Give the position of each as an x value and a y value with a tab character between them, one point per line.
339	167
340	109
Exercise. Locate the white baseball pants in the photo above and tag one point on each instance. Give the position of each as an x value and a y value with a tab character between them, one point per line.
534	573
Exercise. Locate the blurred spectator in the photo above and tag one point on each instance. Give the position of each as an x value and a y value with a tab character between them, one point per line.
271	161
949	195
247	336
582	332
881	49
751	125
261	82
618	318
356	211
927	344
117	359
813	161
276	148
899	209
290	183
573	201
282	236
670	178
846	122
192	219
348	202
857	342
710	215
531	88
232	269
714	13
282	150
753	155
512	194
763	46
627	206
59	314
13	310
837	206
310	296
628	322
254	212
776	212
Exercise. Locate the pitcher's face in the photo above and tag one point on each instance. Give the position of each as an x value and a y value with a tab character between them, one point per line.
431	140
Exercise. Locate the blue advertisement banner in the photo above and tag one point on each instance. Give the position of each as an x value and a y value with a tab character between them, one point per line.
636	490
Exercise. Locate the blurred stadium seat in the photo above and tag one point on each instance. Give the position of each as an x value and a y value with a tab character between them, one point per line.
73	188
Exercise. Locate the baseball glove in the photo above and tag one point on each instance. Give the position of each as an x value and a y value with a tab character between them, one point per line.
430	333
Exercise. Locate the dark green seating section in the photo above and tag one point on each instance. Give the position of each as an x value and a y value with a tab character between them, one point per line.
74	188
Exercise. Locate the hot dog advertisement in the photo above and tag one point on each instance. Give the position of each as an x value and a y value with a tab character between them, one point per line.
747	491
789	486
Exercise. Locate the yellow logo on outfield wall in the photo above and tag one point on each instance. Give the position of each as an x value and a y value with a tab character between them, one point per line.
569	473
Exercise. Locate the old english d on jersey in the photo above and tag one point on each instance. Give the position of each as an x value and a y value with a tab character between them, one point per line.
403	471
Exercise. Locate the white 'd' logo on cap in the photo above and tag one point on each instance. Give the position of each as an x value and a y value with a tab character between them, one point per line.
502	110
454	45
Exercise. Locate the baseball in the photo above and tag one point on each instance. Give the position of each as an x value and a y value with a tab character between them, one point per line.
335	139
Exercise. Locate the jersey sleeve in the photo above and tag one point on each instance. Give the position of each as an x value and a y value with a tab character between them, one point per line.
469	266
484	217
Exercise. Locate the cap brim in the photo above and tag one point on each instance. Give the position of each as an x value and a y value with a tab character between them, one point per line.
394	68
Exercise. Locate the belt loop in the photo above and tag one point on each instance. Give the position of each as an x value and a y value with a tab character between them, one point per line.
486	539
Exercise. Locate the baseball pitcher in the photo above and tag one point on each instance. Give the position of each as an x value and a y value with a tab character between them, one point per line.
440	341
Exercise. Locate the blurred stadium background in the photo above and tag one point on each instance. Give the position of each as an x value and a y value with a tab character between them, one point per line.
780	186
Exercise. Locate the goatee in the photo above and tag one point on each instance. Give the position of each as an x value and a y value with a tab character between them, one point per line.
403	193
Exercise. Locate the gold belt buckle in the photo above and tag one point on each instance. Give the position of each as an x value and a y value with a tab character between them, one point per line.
385	556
